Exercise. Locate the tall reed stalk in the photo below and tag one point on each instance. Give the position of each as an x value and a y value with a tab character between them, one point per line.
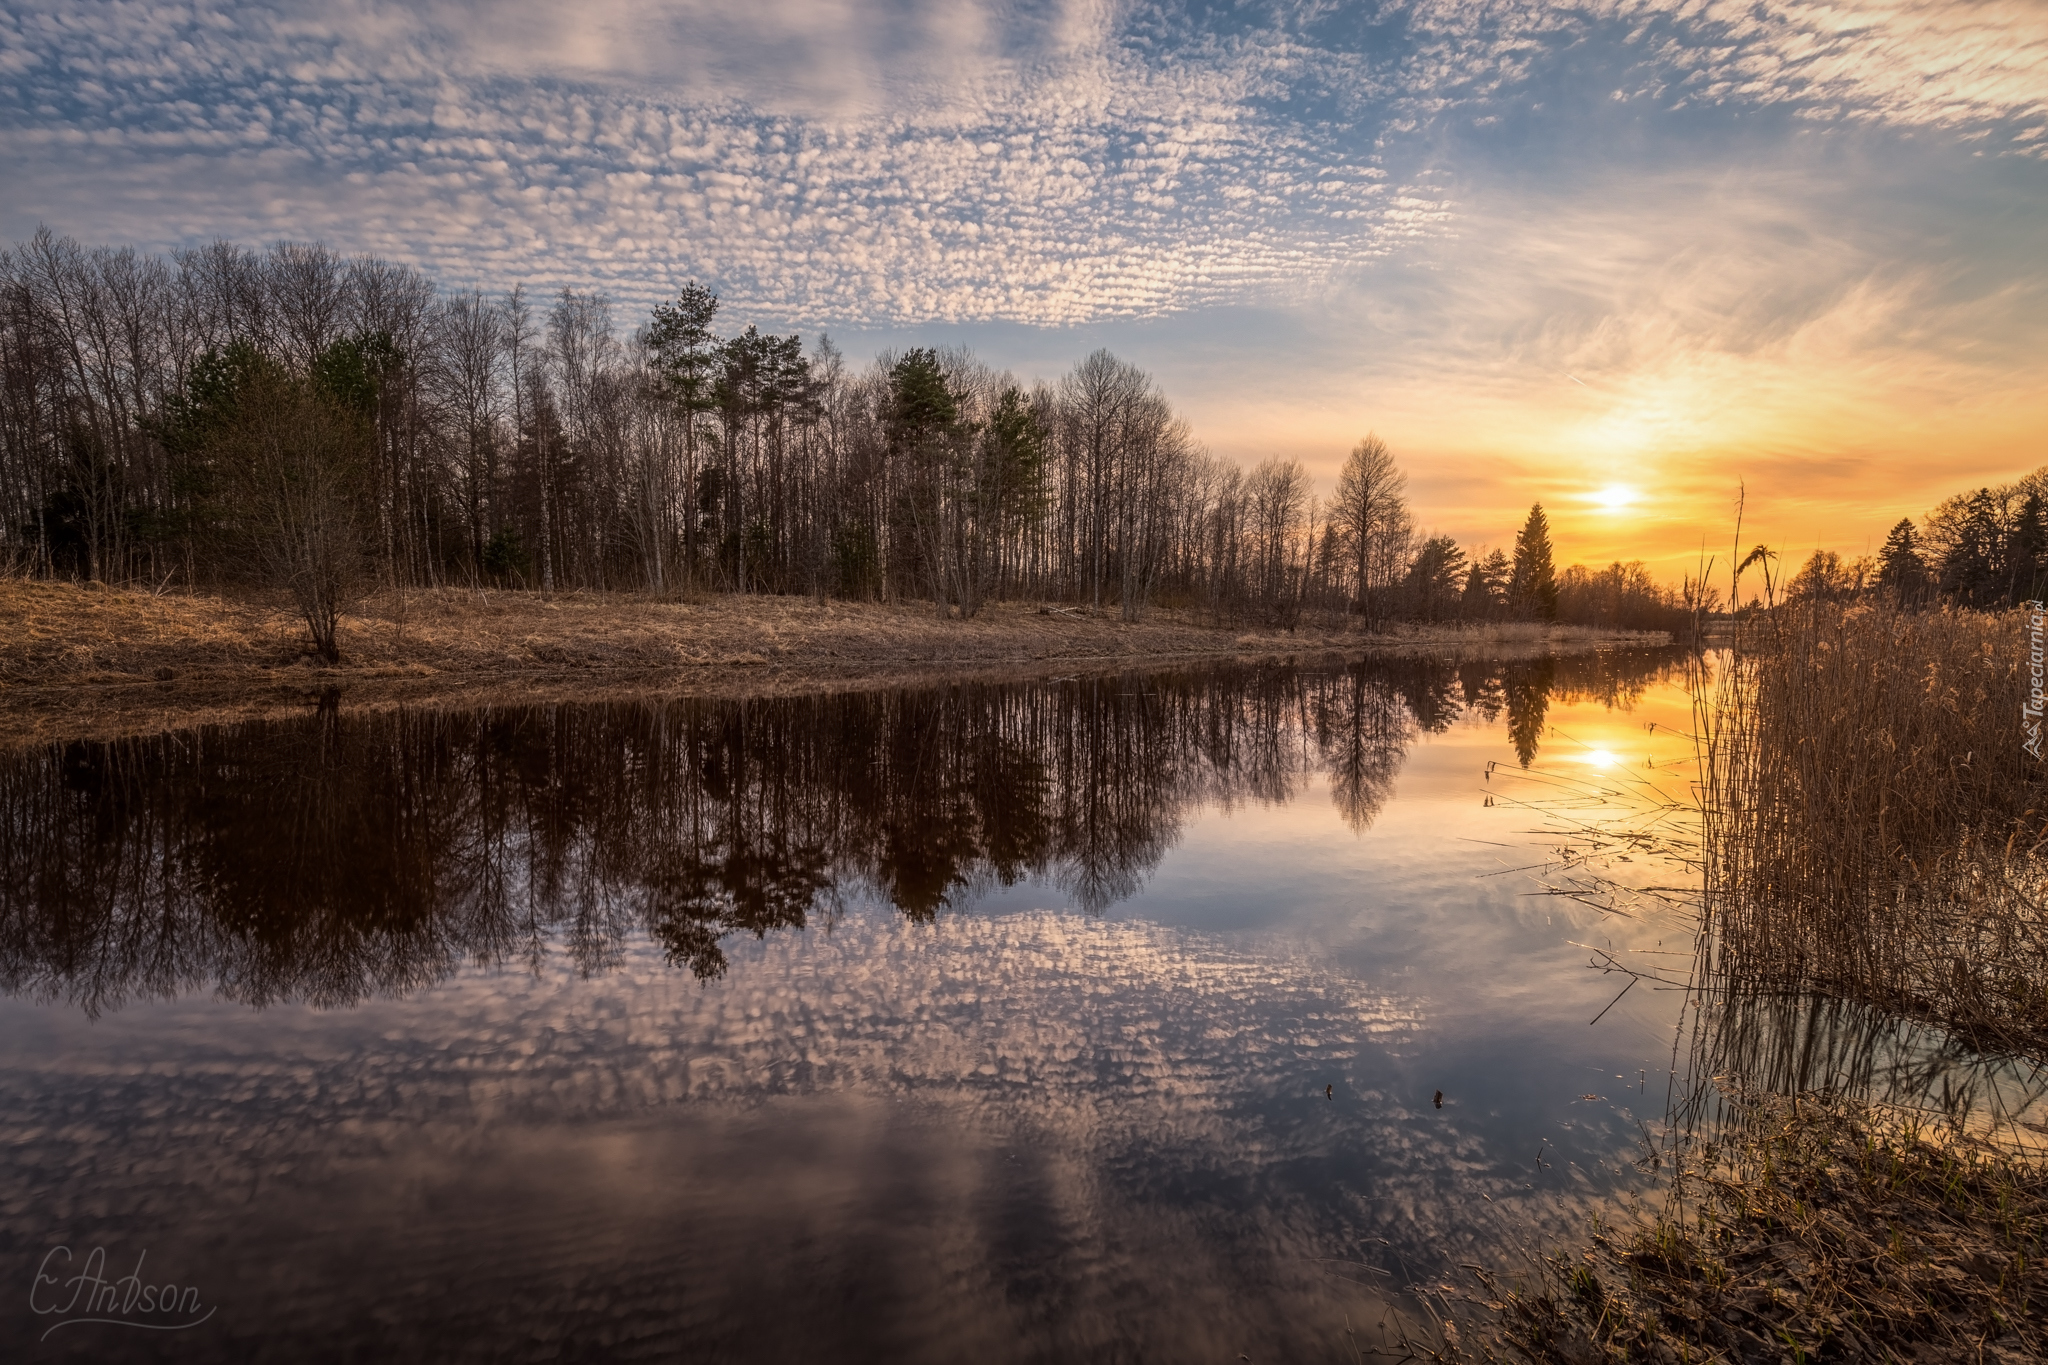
1873	827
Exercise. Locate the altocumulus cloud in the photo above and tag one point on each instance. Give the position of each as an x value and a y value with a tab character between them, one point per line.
872	164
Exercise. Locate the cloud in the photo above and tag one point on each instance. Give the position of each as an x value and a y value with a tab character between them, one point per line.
1033	181
1851	326
851	163
1929	63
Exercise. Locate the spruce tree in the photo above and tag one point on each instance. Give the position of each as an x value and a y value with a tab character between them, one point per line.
1532	591
1900	568
1476	603
1970	562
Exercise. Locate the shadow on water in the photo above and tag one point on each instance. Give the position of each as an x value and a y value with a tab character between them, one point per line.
341	856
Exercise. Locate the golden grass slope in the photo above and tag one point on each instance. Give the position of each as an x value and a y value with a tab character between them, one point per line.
78	660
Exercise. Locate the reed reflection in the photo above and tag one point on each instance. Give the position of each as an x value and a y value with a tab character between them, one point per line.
1751	1040
341	856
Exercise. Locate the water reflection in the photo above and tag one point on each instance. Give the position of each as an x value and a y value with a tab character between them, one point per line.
1753	1040
587	1089
329	859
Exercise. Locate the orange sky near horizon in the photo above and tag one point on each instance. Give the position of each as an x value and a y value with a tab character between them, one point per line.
1801	487
1833	386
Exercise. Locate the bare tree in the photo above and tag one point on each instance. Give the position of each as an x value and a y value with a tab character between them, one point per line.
469	329
1278	496
292	462
1374	516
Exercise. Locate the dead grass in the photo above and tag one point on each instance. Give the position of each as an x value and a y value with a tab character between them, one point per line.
1817	1229
96	661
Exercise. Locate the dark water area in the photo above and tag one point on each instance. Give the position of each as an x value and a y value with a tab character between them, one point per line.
1098	1019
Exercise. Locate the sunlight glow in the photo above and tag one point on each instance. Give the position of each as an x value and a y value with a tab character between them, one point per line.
1615	497
1602	758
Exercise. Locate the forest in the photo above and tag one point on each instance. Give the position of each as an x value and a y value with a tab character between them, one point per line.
290	420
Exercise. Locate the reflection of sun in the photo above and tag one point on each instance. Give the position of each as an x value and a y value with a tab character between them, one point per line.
1615	496
1602	758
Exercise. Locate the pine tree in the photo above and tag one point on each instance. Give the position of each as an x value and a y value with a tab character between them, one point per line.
1476	602
1532	591
686	356
1434	578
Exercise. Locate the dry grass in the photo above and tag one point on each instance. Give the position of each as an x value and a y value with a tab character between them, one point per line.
1872	823
91	660
1815	1230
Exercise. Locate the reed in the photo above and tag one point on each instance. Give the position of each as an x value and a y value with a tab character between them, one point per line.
1872	825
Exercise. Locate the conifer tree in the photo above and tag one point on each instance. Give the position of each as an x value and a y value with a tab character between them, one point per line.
1532	591
2026	551
1899	565
1970	568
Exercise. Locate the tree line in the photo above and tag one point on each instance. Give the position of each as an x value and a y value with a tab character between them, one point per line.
294	420
1986	549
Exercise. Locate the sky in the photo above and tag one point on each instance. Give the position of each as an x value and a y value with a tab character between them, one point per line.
1631	258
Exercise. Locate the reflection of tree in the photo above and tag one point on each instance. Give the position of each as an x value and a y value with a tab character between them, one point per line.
340	856
1527	686
1616	678
694	902
1430	690
1750	1038
1481	685
1363	731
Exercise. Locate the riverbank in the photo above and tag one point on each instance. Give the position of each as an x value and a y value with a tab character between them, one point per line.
1817	1229
93	661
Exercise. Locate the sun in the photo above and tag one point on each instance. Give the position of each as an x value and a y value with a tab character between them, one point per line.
1615	497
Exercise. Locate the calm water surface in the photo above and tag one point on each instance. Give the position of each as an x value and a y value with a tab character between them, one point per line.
1100	1019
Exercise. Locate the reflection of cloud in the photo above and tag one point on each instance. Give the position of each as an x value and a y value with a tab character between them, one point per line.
1098	1115
1077	1020
1128	1063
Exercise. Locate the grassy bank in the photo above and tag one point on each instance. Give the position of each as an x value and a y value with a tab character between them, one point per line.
1812	1229
79	660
